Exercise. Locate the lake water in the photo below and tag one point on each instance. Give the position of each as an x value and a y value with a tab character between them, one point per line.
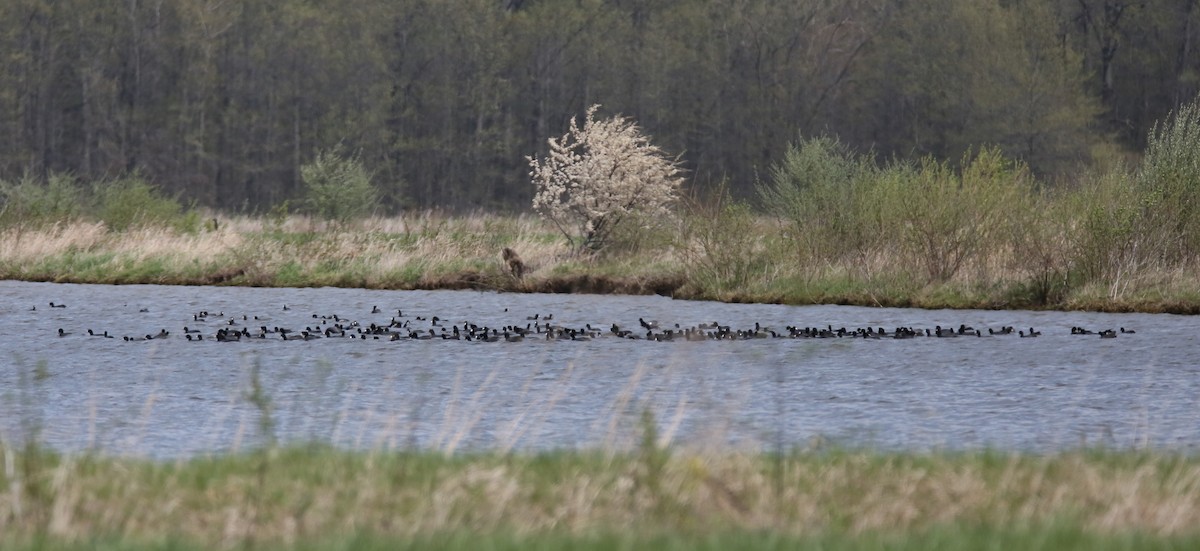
171	397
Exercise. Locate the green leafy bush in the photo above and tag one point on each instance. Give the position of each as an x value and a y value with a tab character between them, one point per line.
721	246
947	216
1150	219
926	217
823	191
1170	180
338	186
131	201
1040	234
33	201
1112	227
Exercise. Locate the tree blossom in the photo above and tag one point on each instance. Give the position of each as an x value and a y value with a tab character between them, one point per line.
598	175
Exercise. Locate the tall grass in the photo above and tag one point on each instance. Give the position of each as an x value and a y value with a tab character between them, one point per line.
314	493
1054	537
1050	252
636	492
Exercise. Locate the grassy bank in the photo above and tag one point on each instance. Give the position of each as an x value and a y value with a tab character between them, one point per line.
427	251
748	259
829	226
310	498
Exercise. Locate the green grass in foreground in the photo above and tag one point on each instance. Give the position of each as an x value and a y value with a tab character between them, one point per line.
315	497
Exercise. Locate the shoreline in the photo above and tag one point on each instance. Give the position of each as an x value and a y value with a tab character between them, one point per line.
673	287
450	253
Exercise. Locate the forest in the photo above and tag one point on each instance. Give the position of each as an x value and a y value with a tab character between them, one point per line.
219	103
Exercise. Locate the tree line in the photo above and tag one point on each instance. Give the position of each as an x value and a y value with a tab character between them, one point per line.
221	102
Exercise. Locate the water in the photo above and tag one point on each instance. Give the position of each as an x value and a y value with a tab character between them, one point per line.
174	398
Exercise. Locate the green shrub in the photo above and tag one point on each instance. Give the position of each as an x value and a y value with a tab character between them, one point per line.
1170	180
31	201
1110	227
338	187
721	246
131	201
843	207
946	217
1147	220
822	189
640	232
1041	240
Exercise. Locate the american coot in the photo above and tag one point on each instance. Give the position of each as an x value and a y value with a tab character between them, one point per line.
436	327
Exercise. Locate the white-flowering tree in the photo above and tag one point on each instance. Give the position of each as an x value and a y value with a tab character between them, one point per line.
601	175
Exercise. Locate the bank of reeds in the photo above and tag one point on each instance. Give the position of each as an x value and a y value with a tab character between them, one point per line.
424	251
720	251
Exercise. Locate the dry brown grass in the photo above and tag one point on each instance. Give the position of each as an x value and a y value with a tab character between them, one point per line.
432	250
19	245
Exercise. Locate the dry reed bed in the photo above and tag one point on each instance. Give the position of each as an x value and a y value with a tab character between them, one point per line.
422	251
429	250
294	495
257	250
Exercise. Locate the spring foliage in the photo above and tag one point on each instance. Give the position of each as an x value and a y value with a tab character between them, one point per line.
31	201
844	207
599	176
338	186
1170	180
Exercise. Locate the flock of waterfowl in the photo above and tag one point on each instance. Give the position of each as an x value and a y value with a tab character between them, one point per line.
218	327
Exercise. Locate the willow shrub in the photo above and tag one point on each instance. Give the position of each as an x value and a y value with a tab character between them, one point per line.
1041	246
338	187
1113	237
823	191
947	217
1130	223
33	202
930	217
1170	182
722	245
131	201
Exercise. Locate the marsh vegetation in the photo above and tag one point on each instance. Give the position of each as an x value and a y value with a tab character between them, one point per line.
301	497
833	226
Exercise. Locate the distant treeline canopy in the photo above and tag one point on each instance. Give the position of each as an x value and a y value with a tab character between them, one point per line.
221	101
